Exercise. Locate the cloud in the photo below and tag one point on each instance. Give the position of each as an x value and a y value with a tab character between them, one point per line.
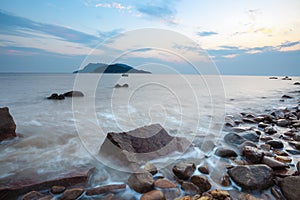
163	10
264	30
206	33
114	5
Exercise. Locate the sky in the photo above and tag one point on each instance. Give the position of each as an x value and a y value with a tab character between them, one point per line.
246	37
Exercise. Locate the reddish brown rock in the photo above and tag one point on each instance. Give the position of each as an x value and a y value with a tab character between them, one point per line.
105	189
204	169
163	183
189	188
33	195
72	194
58	189
7	125
225	180
290	187
141	182
253	154
184	170
153	195
201	182
274	164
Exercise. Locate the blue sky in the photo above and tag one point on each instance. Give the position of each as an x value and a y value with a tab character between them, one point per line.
241	37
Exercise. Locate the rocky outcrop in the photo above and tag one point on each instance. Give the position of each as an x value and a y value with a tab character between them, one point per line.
141	145
7	125
252	177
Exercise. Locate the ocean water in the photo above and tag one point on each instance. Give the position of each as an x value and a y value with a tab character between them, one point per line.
57	136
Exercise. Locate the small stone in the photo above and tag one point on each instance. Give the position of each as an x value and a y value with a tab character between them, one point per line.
219	194
240	129
184	170
201	182
290	187
185	198
153	195
225	152
163	183
270	130
72	194
297	83
225	180
141	182
259	119
203	169
150	168
292	151
295	145
58	189
234	139
283	159
275	144
33	195
286	97
284	172
282	122
296	137
280	153
189	188
262	125
276	193
48	197
253	137
249	121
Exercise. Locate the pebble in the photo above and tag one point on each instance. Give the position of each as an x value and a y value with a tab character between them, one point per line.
282	122
58	189
72	194
203	169
270	130
283	159
225	152
275	144
225	180
164	183
201	182
153	195
189	188
149	167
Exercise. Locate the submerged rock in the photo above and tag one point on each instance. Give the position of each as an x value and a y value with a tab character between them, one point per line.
7	125
253	154
73	94
189	188
104	189
201	182
141	182
252	177
140	145
184	170
56	96
149	167
72	194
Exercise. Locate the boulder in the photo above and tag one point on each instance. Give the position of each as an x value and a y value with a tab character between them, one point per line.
73	94
253	154
234	139
55	96
189	188
153	195
275	144
274	164
7	125
290	187
201	182
282	122
105	189
140	145
141	181
225	152
164	183
183	170
252	177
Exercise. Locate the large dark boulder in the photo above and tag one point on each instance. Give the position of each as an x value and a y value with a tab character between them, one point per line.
73	94
290	187
7	125
252	177
56	96
140	145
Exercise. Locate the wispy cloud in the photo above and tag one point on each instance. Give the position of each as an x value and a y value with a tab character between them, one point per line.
114	5
206	33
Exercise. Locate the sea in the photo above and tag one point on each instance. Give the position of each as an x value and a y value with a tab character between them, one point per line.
55	136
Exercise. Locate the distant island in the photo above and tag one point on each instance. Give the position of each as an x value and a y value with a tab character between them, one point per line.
112	68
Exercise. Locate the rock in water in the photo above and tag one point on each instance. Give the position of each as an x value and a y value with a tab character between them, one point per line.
55	96
153	195
184	170
141	182
73	94
140	145
225	152
72	194
201	182
7	125
290	187
252	177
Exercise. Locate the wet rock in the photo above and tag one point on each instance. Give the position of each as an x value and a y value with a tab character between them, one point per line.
286	97
252	176
185	198
189	188
295	145
259	119
253	154
105	189
74	94
141	182
265	147
149	167
164	183
275	144
204	169
141	145
119	86
12	189
33	195
7	125
72	194
297	83
225	180
274	164
171	193
298	166
234	139
240	129
253	137
280	153
283	159
282	122
247	143
58	189
284	172
276	193
290	187
293	151
296	125
286	78
249	121
184	170
48	197
204	144
56	96
270	130
201	182
219	194
296	137
225	152
153	195
262	125
273	77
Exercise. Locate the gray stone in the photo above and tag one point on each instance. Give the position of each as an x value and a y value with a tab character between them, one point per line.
225	152
290	187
